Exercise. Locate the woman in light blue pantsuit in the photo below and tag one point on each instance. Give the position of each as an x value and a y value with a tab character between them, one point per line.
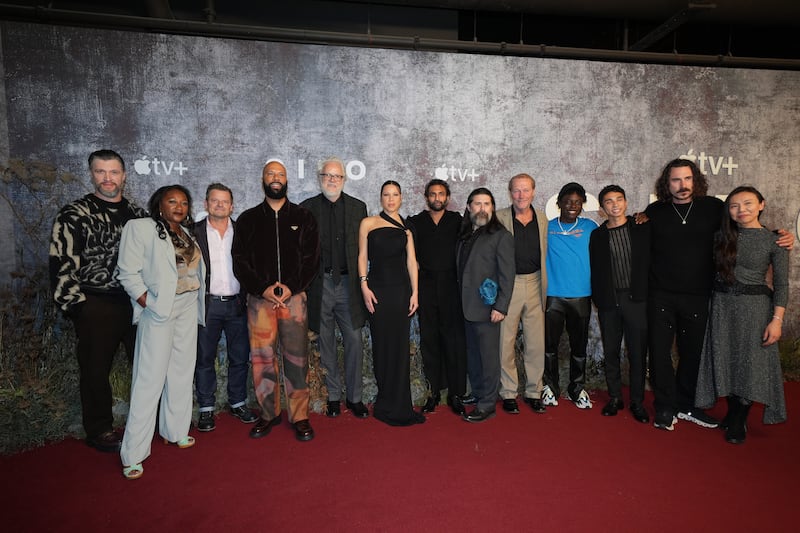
161	268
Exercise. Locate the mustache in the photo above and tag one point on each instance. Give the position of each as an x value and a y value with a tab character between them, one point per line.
684	189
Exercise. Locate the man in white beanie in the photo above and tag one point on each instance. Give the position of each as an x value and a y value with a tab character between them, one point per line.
275	257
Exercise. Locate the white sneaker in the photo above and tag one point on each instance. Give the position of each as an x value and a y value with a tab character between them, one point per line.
548	398
583	401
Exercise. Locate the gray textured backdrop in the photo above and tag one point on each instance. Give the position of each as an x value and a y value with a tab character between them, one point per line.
193	110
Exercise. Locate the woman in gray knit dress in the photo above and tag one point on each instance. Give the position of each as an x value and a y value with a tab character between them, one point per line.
740	359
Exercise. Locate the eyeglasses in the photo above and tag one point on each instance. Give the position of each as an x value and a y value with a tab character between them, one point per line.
332	177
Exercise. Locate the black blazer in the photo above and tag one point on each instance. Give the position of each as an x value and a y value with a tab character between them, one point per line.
603	293
201	236
354	212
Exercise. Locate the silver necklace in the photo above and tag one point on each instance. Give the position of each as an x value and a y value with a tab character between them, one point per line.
563	231
683	217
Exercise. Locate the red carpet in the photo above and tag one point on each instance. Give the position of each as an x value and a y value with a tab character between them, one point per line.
567	470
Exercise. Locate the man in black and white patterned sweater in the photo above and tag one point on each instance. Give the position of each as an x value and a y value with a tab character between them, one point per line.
83	255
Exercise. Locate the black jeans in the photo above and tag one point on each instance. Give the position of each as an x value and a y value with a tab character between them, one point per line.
679	318
628	318
575	312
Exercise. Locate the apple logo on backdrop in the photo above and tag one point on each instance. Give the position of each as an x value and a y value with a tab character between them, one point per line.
441	173
142	166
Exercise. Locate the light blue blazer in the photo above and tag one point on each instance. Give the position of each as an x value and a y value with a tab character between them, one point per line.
146	264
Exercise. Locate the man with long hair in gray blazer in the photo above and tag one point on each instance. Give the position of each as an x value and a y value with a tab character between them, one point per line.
485	259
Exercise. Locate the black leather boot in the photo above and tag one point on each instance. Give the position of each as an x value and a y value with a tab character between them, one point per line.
737	427
551	373
733	401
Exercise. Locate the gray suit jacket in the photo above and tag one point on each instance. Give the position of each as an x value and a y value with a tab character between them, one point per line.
492	256
146	264
506	216
354	211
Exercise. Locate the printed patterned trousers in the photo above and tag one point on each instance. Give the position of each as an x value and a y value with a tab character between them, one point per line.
289	325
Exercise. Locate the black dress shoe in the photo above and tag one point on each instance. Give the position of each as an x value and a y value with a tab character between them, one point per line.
244	414
456	405
430	404
303	430
479	416
469	399
639	414
334	409
612	407
263	427
510	406
206	421
537	405
108	442
358	409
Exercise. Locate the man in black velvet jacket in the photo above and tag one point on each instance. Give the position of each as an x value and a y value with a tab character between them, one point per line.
275	257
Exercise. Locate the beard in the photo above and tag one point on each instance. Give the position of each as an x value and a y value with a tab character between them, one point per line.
479	219
113	193
437	206
272	194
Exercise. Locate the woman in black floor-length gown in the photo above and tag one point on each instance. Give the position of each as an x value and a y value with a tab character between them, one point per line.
390	294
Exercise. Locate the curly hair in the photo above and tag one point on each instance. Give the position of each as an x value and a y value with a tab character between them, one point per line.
154	207
698	178
725	241
436	181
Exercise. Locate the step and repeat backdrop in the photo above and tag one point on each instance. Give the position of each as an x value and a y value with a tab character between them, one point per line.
194	110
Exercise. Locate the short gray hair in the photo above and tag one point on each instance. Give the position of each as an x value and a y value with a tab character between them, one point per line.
331	159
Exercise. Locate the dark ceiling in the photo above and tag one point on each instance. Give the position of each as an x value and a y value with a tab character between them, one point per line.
756	33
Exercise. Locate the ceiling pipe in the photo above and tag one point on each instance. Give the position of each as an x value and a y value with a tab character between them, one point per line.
210	11
132	23
670	26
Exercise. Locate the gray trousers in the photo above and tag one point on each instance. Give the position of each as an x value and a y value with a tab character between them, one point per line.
483	361
336	310
163	369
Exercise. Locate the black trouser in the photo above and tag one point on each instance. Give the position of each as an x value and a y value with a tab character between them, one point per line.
575	312
483	360
628	318
102	323
679	318
441	331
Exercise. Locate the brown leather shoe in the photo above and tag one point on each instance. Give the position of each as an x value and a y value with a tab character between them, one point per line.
303	430
108	442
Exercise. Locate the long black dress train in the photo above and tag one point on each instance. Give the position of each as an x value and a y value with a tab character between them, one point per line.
389	326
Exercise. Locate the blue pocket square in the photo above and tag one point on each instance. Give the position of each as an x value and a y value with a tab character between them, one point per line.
488	291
